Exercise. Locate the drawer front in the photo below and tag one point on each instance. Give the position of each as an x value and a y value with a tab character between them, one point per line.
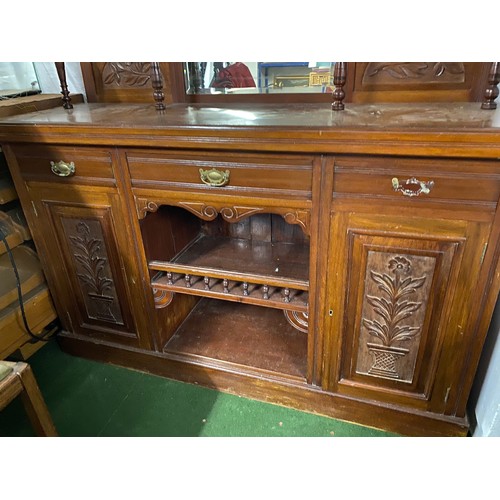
62	164
418	180
284	175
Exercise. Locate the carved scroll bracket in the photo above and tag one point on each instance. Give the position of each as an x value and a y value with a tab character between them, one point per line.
229	213
143	206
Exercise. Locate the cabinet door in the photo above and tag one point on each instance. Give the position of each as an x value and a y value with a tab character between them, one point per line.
398	328
88	254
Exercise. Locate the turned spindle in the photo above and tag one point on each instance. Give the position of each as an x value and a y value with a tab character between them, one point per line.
194	77
286	298
157	84
225	284
491	92
61	73
206	280
187	279
339	79
265	290
245	288
169	278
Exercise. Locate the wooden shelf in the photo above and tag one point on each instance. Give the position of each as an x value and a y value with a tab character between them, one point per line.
11	233
265	262
262	273
7	190
18	221
242	335
39	312
30	274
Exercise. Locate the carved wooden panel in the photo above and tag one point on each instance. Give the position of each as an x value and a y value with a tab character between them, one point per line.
92	268
123	82
395	73
230	213
396	299
126	74
377	82
397	288
90	273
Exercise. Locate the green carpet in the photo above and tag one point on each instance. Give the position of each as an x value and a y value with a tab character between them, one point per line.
87	398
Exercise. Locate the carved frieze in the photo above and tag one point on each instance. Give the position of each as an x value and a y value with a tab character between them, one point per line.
232	213
413	72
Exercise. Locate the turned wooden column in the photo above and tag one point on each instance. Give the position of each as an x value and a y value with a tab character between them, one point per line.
157	83
491	92
339	79
194	75
61	73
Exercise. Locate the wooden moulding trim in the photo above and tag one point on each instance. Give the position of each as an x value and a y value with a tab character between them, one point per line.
476	144
287	392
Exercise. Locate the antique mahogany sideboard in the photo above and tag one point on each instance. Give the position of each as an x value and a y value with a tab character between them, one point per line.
339	263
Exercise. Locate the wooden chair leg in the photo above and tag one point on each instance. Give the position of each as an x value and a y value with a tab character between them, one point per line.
34	403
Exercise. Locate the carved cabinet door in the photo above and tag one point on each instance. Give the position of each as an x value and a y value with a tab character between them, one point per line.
88	256
399	296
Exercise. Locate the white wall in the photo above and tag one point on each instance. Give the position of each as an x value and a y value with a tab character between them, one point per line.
49	82
484	403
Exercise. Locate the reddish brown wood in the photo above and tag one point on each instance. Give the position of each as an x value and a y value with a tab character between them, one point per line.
323	191
491	93
61	73
242	334
339	80
157	83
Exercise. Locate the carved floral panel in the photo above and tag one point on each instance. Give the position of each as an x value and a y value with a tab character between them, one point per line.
396	293
93	270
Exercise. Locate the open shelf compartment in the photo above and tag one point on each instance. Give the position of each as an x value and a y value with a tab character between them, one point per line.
253	338
261	260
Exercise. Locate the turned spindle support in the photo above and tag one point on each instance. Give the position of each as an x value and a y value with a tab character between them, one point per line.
339	79
61	73
225	284
169	278
187	279
265	292
491	92
245	289
206	280
157	84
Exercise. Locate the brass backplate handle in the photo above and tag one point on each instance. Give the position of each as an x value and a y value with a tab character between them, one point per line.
214	177
62	168
412	187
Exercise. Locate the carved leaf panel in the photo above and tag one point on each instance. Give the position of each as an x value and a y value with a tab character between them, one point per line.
397	288
91	262
402	73
396	296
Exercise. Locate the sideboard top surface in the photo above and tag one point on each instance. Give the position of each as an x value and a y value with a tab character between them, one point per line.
462	129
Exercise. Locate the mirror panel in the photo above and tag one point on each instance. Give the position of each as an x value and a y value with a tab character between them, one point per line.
258	77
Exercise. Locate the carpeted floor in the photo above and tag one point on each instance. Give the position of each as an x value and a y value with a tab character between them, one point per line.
87	398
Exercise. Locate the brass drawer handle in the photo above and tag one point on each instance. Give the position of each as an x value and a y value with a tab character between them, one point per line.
62	169
214	177
412	187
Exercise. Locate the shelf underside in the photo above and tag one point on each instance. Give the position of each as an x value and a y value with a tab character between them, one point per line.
243	335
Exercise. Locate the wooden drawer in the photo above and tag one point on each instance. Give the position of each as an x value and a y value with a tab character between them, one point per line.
91	165
418	180
283	175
